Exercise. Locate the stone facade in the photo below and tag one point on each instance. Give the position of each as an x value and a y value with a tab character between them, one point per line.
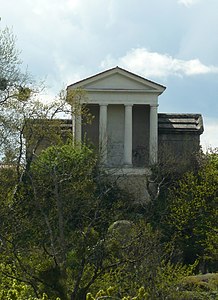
179	138
125	112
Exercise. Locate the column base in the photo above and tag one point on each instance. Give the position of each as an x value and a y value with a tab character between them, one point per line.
127	165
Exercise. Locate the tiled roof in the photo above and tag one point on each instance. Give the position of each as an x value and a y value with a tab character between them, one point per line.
183	123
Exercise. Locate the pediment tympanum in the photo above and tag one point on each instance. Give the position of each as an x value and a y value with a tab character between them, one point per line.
118	79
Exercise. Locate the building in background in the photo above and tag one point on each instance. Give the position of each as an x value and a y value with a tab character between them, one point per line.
127	129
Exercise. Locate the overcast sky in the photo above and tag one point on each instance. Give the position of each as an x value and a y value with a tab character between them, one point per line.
173	42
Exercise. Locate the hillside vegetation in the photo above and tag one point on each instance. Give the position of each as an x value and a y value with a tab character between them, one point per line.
69	232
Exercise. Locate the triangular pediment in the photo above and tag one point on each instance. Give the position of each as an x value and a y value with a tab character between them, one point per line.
118	79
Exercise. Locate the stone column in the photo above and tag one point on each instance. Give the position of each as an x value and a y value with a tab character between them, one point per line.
153	140
103	133
128	136
78	127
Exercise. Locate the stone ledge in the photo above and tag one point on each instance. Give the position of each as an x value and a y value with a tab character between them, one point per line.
128	171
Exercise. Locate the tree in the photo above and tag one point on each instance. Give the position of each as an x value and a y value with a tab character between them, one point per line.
16	88
191	219
28	125
54	223
13	82
57	234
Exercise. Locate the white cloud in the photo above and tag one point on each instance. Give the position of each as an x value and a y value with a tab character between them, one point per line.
153	64
209	137
188	2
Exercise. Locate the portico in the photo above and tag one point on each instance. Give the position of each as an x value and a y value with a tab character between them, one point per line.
125	125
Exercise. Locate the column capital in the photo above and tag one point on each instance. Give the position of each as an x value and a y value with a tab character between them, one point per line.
103	104
127	104
154	105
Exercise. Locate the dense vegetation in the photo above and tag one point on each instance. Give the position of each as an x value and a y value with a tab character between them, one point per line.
69	232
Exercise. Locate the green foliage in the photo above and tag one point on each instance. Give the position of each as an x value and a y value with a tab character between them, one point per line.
14	289
192	213
165	284
199	287
109	294
61	187
23	94
145	263
67	231
56	223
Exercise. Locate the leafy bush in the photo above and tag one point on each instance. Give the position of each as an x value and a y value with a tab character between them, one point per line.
191	218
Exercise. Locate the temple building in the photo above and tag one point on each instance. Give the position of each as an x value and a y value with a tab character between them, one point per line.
126	128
